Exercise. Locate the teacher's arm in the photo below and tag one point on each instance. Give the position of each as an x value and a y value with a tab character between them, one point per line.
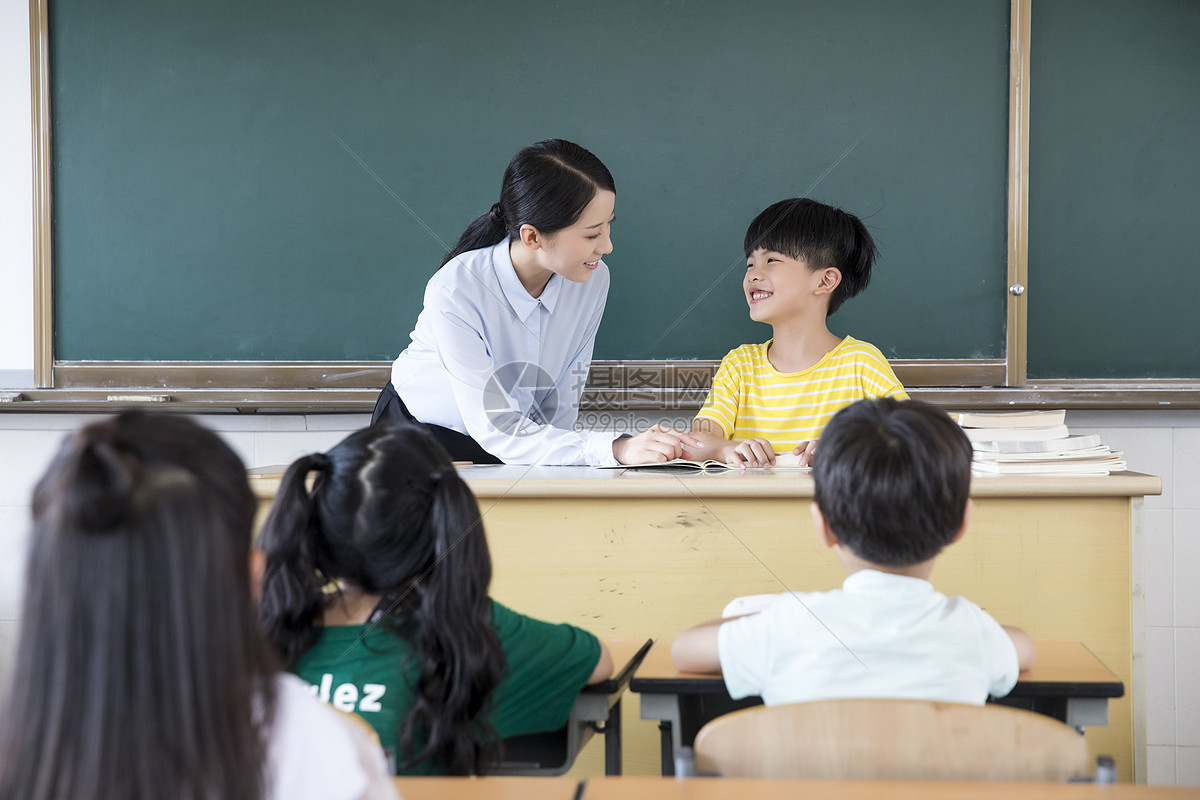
465	357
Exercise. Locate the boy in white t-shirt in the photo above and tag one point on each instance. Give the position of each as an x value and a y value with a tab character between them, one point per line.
892	489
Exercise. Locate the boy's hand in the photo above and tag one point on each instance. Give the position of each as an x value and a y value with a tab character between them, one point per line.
750	453
656	445
806	451
1026	650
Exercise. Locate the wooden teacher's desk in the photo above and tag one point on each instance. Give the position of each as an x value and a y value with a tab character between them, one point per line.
1068	683
625	553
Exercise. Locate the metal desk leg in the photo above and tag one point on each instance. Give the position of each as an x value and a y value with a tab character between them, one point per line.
612	741
665	709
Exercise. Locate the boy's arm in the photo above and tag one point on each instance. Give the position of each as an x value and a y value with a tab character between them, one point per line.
695	650
714	445
1026	651
711	439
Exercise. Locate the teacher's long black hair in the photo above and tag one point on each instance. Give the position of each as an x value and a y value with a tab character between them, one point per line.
140	673
547	185
388	513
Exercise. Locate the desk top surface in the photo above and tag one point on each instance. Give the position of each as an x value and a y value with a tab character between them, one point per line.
649	788
626	652
491	788
511	480
1058	665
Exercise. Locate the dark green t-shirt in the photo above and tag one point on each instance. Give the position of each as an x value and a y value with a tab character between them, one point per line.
374	674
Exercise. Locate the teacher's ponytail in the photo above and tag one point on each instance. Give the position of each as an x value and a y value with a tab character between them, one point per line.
546	185
485	231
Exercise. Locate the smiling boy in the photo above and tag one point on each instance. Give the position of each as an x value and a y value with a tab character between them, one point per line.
803	260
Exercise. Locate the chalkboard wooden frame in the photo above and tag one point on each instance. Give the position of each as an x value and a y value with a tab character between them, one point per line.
252	383
54	373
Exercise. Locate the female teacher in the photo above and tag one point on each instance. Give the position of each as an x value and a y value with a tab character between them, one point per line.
500	352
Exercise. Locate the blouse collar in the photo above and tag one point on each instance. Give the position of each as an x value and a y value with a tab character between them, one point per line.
518	298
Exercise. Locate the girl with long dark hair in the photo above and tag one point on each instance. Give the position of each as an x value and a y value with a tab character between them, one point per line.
141	673
501	351
376	594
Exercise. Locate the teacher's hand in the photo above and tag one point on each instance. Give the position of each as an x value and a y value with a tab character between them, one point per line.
658	444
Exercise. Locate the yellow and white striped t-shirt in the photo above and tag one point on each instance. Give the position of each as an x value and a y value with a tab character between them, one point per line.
750	399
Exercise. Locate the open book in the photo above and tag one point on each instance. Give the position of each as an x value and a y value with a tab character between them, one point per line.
788	462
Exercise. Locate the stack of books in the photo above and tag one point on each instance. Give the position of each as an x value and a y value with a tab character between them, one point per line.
1034	443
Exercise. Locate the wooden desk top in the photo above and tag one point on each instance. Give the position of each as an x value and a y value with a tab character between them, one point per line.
1059	665
510	480
649	788
626	652
492	788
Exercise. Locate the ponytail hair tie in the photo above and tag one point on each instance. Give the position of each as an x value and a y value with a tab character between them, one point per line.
104	481
320	464
498	214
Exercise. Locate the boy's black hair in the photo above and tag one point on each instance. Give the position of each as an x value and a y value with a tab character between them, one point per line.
821	235
893	478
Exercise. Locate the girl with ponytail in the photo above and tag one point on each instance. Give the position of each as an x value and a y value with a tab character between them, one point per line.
803	260
501	351
140	672
376	593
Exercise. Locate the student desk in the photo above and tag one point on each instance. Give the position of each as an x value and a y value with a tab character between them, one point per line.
554	752
489	788
1067	682
625	553
642	788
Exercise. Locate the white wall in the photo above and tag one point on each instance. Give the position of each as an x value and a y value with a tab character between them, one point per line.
16	190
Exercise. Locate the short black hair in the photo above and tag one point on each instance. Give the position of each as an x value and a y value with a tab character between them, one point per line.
893	478
821	235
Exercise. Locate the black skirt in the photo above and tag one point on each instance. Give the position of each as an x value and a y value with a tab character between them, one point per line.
390	408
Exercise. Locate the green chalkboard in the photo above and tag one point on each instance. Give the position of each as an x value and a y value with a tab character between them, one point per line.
276	179
1114	177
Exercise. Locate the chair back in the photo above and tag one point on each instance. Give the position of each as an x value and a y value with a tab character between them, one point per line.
891	739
